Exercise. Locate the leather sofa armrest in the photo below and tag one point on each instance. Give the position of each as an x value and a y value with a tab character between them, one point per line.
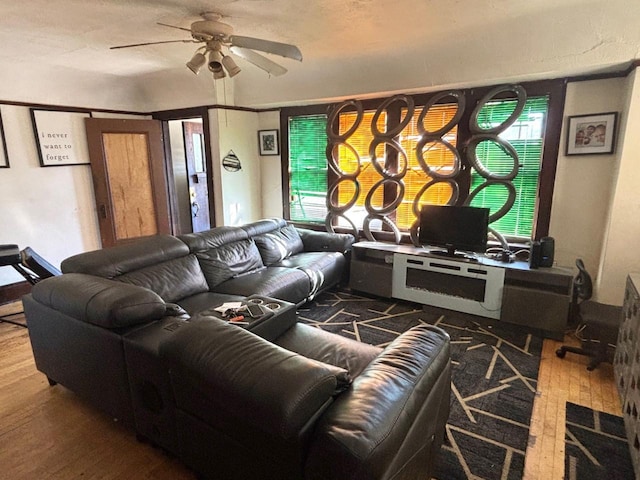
315	241
221	371
100	301
393	415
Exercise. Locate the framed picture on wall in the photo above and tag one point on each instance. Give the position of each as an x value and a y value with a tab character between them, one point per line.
268	142
4	156
61	137
591	134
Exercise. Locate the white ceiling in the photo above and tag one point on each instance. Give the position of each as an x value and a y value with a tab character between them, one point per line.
350	47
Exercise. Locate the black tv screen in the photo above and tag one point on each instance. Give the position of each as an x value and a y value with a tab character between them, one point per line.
456	228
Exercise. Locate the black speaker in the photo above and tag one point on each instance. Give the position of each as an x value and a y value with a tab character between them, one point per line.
547	247
535	253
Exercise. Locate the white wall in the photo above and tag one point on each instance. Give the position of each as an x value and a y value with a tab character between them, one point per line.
619	256
596	203
584	183
178	88
50	209
238	195
35	83
271	169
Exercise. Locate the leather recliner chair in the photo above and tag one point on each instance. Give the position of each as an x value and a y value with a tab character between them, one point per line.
309	405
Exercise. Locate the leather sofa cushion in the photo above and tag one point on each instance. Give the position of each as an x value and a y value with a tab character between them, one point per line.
322	268
278	245
227	261
220	370
328	348
289	284
316	241
213	238
172	280
99	301
390	412
114	261
263	226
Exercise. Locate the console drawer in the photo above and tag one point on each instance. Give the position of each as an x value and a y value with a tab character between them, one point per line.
545	310
369	277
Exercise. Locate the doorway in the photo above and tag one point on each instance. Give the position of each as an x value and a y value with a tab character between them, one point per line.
187	147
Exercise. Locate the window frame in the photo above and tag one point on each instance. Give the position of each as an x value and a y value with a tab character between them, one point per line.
554	89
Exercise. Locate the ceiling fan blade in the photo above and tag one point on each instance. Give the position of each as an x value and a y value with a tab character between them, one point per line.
153	43
259	61
282	49
173	26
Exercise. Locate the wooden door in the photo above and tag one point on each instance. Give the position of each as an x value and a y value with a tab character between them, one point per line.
196	176
129	178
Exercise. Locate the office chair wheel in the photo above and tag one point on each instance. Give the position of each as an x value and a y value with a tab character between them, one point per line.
561	352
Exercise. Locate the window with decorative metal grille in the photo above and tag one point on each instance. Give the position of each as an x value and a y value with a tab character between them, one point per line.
311	177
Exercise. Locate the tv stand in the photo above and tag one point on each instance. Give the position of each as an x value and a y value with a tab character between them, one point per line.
448	283
536	298
451	253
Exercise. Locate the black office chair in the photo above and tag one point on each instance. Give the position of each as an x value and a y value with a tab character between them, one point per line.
29	264
597	323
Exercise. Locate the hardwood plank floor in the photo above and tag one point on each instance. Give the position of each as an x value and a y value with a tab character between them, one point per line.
561	381
48	433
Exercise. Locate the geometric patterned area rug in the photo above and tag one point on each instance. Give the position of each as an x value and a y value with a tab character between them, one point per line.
595	446
494	374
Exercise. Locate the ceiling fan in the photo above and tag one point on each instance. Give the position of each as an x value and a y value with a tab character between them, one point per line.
215	35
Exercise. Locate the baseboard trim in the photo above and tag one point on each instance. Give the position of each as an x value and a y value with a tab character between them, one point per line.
13	291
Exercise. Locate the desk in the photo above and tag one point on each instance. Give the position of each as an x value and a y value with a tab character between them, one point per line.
537	298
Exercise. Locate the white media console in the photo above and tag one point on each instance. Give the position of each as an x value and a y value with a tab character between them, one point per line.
512	292
463	286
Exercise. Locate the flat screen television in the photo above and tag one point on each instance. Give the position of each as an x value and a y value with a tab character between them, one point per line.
455	228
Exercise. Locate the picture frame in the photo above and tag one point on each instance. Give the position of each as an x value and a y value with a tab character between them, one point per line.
268	142
592	134
4	155
61	137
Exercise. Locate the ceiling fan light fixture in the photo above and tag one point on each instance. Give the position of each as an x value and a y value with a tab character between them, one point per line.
216	35
230	65
215	61
196	62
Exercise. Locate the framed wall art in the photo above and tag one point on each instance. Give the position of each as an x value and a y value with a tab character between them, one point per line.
4	156
591	134
268	142
61	137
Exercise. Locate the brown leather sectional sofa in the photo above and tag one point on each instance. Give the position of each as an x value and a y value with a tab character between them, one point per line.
131	330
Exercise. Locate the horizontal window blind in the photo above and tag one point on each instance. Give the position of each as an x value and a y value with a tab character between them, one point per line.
308	168
360	140
526	136
434	154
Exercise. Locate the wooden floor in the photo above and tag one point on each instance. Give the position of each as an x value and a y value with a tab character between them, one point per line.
48	433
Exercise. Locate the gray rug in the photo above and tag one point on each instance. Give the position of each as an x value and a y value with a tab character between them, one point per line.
495	367
595	446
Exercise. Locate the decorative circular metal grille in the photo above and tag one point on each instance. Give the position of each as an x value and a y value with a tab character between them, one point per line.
393	172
